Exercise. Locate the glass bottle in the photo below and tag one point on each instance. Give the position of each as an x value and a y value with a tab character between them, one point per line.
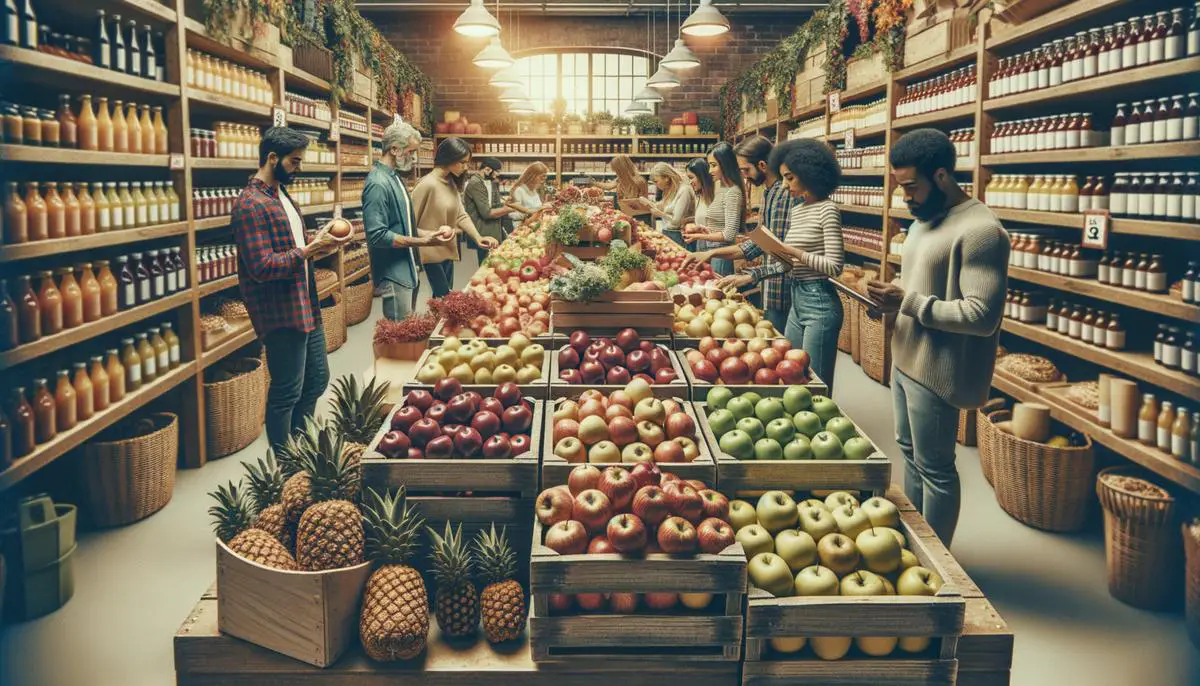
162	352
29	319
1181	431
1162	429
1148	420
16	217
120	128
141	210
31	127
145	128
37	214
126	286
116	376
66	406
149	358
87	128
49	305
1171	349
107	286
180	267
44	410
56	212
10	325
158	281
173	347
132	361
160	132
1187	354
72	299
89	288
1114	336
1188	290
24	436
85	392
100	385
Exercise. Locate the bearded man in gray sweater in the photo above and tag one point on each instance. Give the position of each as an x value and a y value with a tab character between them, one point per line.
950	303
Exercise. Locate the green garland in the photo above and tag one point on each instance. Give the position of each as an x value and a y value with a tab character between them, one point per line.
836	28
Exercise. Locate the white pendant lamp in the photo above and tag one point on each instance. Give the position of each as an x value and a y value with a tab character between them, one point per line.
514	94
523	107
681	58
505	78
648	95
494	56
638	108
663	79
477	22
706	21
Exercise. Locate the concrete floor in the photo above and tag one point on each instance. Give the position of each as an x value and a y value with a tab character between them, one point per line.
136	584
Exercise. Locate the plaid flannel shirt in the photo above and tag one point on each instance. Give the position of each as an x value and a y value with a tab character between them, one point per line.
271	274
777	205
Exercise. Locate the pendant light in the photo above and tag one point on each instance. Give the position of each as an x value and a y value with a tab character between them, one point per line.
705	21
638	108
494	56
514	94
681	58
663	78
522	107
505	78
477	22
648	95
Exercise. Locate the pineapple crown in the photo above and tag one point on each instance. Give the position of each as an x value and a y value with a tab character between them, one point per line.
265	481
358	415
391	527
452	559
329	473
301	441
497	561
232	514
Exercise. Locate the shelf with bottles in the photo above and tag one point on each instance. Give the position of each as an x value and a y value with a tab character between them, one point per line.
226	83
1170	304
1092	326
870	158
808	128
1169	197
52	211
315	109
864	241
866	199
312	190
938	95
34	134
214	262
858	117
320	152
354	155
225	141
673	146
608	147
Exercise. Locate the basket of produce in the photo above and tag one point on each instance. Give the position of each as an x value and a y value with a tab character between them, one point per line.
712	312
235	394
875	345
1191	548
1143	551
324	278
128	472
407	339
213	330
233	311
767	366
608	364
1040	480
333	321
359	297
482	368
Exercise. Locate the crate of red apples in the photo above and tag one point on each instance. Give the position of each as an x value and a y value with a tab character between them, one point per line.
765	365
608	364
633	565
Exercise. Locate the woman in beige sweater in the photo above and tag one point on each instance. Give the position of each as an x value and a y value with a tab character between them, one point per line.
437	204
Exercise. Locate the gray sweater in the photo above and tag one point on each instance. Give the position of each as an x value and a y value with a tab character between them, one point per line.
954	278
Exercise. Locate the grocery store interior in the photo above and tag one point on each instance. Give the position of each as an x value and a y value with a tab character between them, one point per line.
583	319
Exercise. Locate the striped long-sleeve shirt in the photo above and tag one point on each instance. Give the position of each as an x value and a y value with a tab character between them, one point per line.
817	230
777	206
725	215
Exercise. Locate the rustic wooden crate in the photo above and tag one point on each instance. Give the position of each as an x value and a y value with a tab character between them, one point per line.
865	71
650	312
678	636
556	470
700	388
538	389
873	475
676	389
940	616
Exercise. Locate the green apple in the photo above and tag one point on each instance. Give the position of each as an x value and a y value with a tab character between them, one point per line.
838	552
797	548
888	585
789	645
815	580
881	512
826	446
864	583
738	444
752	427
740	407
751	397
464	373
769	572
776	511
799	448
838	498
797	399
768	409
880	551
908	559
919	581
721	422
506	354
755	539
781	430
841	427
825	408
768	449
718	397
813	502
807	423
858	448
451	343
831	647
817	522
483	376
851	520
741	514
895	532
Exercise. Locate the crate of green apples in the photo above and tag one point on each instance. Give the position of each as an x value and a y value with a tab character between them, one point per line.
844	592
795	441
764	365
482	367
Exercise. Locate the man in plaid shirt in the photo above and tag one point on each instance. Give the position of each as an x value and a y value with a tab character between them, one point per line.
277	283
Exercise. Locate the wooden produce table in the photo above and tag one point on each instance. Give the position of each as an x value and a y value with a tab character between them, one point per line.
395	372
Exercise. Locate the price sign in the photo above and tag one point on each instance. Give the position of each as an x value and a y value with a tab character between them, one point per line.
835	102
176	161
1095	229
849	139
335	133
337	211
278	117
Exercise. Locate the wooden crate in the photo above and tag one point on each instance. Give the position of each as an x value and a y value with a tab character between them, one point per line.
700	388
865	71
650	312
678	636
556	470
538	389
675	389
873	474
940	616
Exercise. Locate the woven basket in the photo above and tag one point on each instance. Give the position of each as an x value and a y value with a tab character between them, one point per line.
125	480
236	409
875	346
1143	552
854	314
1191	549
358	302
844	334
333	320
1040	486
983	438
967	428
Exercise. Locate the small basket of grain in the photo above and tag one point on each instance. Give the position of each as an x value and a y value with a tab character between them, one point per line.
1143	552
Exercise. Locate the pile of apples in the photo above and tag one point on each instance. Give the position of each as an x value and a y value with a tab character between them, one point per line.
627	426
475	362
521	305
831	547
450	423
713	314
616	360
632	512
759	361
796	426
692	275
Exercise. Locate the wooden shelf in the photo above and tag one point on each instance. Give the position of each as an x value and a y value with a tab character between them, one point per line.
317	209
66	441
196	36
861	209
1139	365
1151	151
1053	20
939	116
810	111
356	169
358	274
220	163
868	253
895	259
48	344
1168	305
528	155
61	69
297	120
675	137
293	76
900	213
866	132
500	136
1155	460
324	292
347	133
1114	83
871	171
55	246
1133	227
212	223
235	342
207	100
319	168
954	58
849	97
217	285
37	154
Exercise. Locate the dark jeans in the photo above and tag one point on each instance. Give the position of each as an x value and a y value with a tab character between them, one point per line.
299	373
676	236
926	428
722	266
441	277
814	324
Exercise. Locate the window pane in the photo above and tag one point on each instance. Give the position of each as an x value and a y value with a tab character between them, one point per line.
640	66
610	66
626	89
626	64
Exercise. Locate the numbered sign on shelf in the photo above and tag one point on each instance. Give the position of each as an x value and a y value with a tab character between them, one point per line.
335	133
849	139
278	117
835	102
337	211
1095	229
176	161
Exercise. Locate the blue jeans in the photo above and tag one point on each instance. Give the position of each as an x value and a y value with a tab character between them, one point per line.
299	370
722	266
441	277
779	317
676	236
397	300
926	427
814	324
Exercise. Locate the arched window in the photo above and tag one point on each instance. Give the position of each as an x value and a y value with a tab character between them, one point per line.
589	81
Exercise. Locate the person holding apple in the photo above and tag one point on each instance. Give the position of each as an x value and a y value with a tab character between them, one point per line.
524	199
724	214
484	204
678	204
949	305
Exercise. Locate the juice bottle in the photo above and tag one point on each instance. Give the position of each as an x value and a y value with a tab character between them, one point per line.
162	351
86	127
73	210
116	375
45	423
10	326
37	218
160	132
101	390
126	202
148	132
56	212
151	203
120	127
104	126
89	288
1181	432
173	350
67	124
173	202
116	212
85	393
66	406
141	213
108	288
24	436
72	298
101	211
16	217
132	362
29	317
49	305
149	360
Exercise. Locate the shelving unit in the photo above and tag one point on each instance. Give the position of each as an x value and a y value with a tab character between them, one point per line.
182	105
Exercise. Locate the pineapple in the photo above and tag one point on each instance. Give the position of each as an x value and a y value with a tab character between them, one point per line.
457	599
330	534
297	491
266	488
394	623
232	523
503	599
357	416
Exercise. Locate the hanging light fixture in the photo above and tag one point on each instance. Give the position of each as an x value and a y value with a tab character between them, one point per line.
514	94
663	79
681	58
637	108
648	95
477	22
705	21
505	78
523	107
494	56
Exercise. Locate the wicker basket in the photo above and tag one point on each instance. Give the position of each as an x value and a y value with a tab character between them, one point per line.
128	479
1143	553
853	314
235	409
844	334
983	437
1038	485
333	320
875	346
358	302
1191	548
967	428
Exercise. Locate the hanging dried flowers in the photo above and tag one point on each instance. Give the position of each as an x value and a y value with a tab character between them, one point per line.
861	11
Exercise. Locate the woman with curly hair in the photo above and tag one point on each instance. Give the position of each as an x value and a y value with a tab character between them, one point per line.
724	216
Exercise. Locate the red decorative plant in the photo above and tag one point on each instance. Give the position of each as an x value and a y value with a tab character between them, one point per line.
460	307
414	327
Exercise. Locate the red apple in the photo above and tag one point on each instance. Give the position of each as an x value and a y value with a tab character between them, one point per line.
619	486
676	536
800	356
650	504
612	356
424	431
705	371
771	357
623	603
436	412
684	500
637	361
765	377
497	448
579	340
446	388
671	406
571	376
561	602
753	360
591	602
617	376
615	411
553	505
627	533
668	451
715	504
520	444
622	431
567	538
568	358
665	376
628	340
394	444
791	372
783	345
518	419
590	407
659	360
422	400
734	346
680	424
600	545
467	442
735	371
405	417
661	601
592	371
416	454
620	397
693	356
714	535
582	478
509	394
440	448
564	428
645	474
716	356
707	343
593	509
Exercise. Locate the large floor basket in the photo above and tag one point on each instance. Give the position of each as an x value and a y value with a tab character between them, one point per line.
1141	545
125	479
358	302
1039	485
333	320
235	408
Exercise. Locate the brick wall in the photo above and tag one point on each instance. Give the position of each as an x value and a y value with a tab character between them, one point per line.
429	41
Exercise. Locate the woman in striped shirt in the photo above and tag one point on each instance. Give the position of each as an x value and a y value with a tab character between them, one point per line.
724	217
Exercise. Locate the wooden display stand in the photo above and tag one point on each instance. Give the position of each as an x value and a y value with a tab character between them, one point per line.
650	312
